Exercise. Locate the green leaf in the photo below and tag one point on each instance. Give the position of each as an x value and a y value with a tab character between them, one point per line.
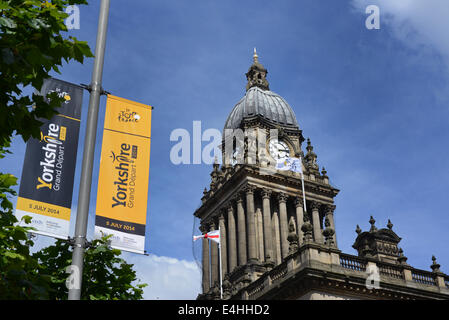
27	219
4	5
7	180
7	22
13	255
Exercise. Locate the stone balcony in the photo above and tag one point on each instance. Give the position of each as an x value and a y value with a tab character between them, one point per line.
315	268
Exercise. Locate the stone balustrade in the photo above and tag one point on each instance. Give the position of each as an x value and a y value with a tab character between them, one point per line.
337	265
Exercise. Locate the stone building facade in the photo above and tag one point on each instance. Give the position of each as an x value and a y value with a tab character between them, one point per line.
280	243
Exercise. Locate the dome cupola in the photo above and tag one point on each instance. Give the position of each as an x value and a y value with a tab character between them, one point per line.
260	102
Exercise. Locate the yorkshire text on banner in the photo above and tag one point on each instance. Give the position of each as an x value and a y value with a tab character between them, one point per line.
124	172
46	186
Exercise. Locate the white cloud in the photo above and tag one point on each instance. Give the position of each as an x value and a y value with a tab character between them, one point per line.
415	22
167	278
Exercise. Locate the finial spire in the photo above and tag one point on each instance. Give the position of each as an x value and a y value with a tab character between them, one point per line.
311	157
372	222
323	172
257	74
389	225
402	259
435	266
255	56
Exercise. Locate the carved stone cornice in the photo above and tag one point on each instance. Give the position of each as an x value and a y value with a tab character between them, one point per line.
240	171
262	123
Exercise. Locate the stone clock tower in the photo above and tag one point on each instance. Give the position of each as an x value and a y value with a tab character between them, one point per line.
273	245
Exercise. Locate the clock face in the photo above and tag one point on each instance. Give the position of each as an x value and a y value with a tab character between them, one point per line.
278	149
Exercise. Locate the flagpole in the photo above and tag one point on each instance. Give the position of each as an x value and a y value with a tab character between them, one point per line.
302	183
219	249
209	236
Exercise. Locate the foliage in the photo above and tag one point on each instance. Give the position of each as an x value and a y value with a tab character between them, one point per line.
19	271
42	275
106	276
31	46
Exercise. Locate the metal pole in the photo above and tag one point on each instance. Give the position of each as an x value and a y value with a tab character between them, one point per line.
302	182
221	276
88	154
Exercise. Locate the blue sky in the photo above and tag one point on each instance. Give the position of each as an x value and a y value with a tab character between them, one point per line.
375	104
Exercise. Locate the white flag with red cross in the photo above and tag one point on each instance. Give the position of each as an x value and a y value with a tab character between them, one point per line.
212	235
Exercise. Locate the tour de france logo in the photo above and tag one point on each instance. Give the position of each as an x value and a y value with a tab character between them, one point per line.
128	116
62	94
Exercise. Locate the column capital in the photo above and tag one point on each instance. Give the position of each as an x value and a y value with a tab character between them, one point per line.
237	197
266	193
299	201
315	205
329	209
248	189
228	206
221	218
282	197
203	228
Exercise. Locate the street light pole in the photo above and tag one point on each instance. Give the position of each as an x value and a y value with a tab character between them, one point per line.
88	154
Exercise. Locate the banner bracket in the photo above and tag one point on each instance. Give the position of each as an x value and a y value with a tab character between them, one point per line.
86	244
89	88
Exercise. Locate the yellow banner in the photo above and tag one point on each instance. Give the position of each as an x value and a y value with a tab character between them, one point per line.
124	169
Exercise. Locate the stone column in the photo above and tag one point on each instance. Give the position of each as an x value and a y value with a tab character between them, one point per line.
232	239
259	223
250	221
276	239
214	259
299	204
316	222
267	228
282	198
223	246
206	270
330	215
241	230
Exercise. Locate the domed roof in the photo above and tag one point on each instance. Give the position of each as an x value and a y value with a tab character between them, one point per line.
259	101
265	104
